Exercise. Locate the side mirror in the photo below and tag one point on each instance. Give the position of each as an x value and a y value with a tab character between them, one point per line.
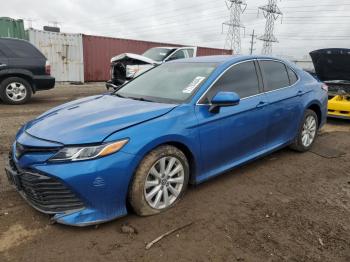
223	99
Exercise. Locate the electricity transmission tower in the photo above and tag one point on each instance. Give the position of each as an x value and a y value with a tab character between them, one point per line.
271	13
233	37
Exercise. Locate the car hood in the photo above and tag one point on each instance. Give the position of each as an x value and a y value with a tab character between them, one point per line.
92	119
134	57
332	64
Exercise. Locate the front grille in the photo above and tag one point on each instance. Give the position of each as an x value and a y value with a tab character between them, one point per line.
45	193
48	194
20	149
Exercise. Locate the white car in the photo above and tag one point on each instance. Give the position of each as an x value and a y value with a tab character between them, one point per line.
127	66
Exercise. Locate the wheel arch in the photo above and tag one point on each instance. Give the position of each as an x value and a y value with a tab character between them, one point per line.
179	144
314	106
26	77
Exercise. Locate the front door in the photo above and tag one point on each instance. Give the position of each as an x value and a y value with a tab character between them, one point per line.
236	133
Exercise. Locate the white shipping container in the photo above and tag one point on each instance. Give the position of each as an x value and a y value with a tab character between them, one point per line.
64	52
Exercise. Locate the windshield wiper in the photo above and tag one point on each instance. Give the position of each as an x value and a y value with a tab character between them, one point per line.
118	95
139	99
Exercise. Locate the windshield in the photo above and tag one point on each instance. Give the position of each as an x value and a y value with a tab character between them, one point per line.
168	83
158	54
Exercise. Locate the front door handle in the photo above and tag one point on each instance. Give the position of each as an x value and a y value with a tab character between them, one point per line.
300	93
2	65
261	104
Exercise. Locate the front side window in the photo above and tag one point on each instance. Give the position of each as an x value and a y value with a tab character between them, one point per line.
168	83
241	78
274	74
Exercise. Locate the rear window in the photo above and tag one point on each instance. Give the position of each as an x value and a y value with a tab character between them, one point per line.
275	75
18	48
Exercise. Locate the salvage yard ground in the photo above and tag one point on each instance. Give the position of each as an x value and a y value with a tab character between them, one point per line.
284	207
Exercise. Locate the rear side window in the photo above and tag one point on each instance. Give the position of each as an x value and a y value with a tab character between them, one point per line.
241	78
292	76
275	75
21	49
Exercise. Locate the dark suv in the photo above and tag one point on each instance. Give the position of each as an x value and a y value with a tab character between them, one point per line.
23	71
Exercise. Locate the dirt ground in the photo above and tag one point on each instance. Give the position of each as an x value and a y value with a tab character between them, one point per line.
285	207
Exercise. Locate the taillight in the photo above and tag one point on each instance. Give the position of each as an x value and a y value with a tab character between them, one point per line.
47	68
324	87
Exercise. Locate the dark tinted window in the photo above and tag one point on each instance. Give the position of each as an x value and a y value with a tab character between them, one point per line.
241	78
292	76
19	48
275	75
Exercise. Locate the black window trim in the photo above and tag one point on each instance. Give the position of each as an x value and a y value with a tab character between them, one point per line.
286	67
258	74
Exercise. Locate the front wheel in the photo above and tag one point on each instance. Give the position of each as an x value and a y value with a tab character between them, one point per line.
160	181
307	132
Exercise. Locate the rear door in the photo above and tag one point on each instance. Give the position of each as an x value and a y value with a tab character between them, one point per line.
285	104
3	60
236	133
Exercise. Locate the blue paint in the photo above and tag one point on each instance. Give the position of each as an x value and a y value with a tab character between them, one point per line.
217	141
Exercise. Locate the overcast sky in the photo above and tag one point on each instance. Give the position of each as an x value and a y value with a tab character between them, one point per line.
306	24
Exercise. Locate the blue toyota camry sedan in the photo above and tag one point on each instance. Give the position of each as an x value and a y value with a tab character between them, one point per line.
182	122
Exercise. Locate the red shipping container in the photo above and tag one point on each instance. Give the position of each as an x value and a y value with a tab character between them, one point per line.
99	50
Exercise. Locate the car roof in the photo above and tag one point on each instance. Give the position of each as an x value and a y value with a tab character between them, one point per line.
221	59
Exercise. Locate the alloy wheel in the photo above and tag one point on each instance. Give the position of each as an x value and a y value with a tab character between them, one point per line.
16	91
309	131
164	182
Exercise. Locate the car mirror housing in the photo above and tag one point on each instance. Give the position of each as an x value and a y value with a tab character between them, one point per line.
223	99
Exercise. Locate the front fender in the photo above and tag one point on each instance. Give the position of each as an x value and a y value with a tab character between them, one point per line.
176	127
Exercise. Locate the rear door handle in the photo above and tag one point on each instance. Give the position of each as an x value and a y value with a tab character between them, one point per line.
261	104
2	65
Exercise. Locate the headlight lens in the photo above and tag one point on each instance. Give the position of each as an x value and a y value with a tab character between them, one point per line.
88	152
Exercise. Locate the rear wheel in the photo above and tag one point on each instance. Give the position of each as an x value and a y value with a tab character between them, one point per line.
307	132
160	181
15	90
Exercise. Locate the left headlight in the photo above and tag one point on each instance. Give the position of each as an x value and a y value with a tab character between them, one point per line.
87	152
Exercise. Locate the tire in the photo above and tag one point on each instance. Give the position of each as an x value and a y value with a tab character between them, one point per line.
15	91
306	129
151	165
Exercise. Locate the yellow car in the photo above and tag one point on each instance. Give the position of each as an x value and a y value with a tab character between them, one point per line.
339	106
332	66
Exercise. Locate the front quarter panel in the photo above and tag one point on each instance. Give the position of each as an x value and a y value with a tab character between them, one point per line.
178	126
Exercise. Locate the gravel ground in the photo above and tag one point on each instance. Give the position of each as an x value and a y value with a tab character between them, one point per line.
284	207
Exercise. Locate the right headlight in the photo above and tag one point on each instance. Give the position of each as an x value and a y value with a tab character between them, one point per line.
87	152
